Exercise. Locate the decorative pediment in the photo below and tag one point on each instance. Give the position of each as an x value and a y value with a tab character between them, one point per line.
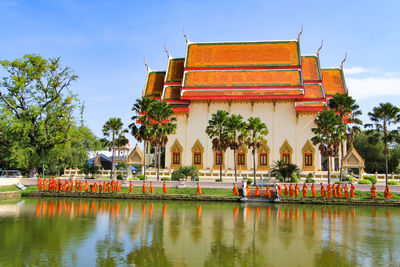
286	148
197	147
242	149
176	147
353	159
135	157
308	147
264	148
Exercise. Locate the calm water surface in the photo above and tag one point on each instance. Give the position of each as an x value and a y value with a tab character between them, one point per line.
70	232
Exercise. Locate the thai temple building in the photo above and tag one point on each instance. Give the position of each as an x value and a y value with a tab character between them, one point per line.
271	80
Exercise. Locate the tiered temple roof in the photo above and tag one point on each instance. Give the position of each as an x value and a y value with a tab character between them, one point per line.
245	70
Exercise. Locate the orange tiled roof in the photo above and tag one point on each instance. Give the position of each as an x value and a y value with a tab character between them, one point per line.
154	83
246	78
243	54
243	93
333	81
313	90
310	104
175	70
172	93
310	68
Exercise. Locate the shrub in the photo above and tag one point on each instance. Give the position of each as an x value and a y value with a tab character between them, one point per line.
393	183
280	177
218	180
294	178
249	181
140	176
371	178
364	181
165	179
185	172
310	180
120	176
338	182
176	175
310	175
348	179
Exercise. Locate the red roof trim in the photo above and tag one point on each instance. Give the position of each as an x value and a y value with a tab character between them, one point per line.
312	81
243	87
180	110
244	68
310	108
239	97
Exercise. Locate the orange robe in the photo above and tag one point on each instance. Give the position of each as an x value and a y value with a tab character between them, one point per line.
198	189
86	186
151	190
248	190
130	187
45	184
323	191
118	186
352	191
304	190
313	191
39	180
285	191
373	192
80	186
346	191
164	189
257	192
334	191
339	191
279	190
66	186
296	190
267	192
144	188
291	191
235	190
95	187
387	193
113	185
329	191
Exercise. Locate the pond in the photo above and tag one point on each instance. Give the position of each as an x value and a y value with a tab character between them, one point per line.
81	232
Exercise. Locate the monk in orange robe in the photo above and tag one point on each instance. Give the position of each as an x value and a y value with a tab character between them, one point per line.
71	185
285	191
329	190
279	189
86	186
323	191
198	189
313	191
118	186
248	191
339	191
346	191
65	185
61	186
334	191
95	187
352	191
130	187
373	192
113	185
45	184
76	186
235	190
304	190
291	190
39	180
257	192
104	187
144	188
151	190
267	192
100	187
296	190
164	188
387	193
80	186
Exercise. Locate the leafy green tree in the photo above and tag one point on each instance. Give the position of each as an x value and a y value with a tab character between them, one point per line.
163	125
141	124
327	135
114	135
347	109
217	132
383	117
281	169
36	109
236	136
185	172
257	131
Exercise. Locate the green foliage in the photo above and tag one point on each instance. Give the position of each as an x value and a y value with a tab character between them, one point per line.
165	179
249	181
120	177
280	169
218	180
184	172
310	175
280	177
364	181
393	183
90	169
122	166
371	178
294	178
310	180
140	176
348	179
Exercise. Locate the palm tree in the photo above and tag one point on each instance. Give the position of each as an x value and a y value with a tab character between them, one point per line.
283	169
141	125
327	135
256	132
113	128
163	124
383	117
236	133
216	130
347	109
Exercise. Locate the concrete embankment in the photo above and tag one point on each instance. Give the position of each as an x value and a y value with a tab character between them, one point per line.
10	194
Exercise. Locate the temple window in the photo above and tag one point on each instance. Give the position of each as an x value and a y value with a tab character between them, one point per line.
219	158
176	159
176	154
286	158
308	152
197	158
308	159
286	152
241	159
263	156
197	155
263	159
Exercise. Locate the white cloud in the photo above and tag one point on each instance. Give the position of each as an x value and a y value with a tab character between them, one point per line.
357	70
362	88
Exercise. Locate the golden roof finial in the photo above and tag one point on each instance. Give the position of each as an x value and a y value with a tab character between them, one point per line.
319	49
166	51
144	61
345	57
301	31
186	37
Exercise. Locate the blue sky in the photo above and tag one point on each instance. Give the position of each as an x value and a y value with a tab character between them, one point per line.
105	41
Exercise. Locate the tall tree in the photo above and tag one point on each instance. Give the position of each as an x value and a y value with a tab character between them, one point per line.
114	135
163	125
236	134
347	109
257	131
37	106
216	130
141	124
383	117
327	135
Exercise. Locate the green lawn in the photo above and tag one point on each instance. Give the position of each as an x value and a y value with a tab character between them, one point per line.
358	195
7	188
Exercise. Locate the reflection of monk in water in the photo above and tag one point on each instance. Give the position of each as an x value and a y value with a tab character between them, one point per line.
235	213
198	212
164	212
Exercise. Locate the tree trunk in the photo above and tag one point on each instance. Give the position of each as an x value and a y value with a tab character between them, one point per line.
112	158
144	160
341	160
329	169
234	163
386	163
158	162
220	165
254	166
